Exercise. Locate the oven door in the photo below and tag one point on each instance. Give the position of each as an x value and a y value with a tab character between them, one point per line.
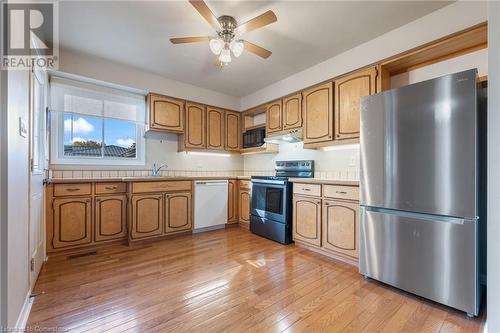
269	199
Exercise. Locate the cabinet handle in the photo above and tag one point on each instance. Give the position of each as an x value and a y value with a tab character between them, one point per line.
88	200
341	192
306	189
98	199
111	187
72	189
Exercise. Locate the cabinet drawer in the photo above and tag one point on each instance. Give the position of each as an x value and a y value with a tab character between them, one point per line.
307	189
148	187
245	184
341	192
64	190
110	188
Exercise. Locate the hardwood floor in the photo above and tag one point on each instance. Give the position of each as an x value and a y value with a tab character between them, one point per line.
227	280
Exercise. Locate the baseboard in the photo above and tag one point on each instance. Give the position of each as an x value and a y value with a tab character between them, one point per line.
213	227
22	320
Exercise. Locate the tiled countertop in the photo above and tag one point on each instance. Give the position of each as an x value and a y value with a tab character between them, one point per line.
325	181
139	179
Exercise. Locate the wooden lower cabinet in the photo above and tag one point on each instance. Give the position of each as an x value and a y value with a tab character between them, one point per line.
341	227
244	206
146	215
178	212
72	222
307	220
110	217
232	201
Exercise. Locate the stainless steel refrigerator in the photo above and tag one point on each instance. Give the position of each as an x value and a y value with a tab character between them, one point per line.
420	184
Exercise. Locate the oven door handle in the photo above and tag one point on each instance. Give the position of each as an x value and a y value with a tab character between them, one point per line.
265	181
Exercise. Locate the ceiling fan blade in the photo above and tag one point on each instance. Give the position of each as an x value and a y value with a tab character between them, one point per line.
257	22
189	40
207	14
260	51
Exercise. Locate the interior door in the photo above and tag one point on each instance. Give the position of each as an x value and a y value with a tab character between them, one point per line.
37	160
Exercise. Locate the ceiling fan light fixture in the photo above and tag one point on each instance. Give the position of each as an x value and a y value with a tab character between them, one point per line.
225	56
216	45
237	47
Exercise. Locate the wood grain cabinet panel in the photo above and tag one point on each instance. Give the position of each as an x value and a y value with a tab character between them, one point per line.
348	93
292	111
146	215
166	114
341	227
215	129
244	206
317	106
72	222
110	217
232	202
307	220
178	212
195	134
274	117
233	131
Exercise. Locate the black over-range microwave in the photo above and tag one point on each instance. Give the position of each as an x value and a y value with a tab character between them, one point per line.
254	137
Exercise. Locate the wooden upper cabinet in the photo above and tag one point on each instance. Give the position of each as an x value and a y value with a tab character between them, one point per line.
146	215
195	135
110	217
233	130
165	113
72	222
178	212
341	227
274	117
317	106
307	220
292	111
215	128
348	92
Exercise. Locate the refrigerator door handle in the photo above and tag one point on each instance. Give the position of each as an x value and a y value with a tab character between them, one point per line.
419	216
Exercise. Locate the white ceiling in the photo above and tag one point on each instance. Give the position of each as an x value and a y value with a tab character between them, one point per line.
136	33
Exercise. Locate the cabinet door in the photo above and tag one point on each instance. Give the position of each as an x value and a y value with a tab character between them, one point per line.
215	129
292	111
72	222
232	201
110	217
195	135
307	220
166	114
274	117
318	113
348	92
233	130
244	205
146	215
341	227
178	212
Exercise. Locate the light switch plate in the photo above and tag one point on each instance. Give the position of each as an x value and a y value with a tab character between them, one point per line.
23	128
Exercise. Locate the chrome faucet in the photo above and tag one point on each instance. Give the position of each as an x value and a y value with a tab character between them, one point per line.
155	170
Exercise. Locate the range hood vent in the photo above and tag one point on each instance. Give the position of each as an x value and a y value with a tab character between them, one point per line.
290	136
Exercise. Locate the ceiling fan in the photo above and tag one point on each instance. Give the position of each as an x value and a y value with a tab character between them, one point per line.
228	33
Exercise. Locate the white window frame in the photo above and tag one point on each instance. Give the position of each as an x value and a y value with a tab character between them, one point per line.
57	141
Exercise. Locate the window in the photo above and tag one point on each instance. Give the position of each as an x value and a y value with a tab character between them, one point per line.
93	124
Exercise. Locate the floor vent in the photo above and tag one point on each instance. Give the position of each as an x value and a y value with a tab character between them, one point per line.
79	255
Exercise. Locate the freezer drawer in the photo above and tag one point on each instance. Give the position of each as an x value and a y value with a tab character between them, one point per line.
431	256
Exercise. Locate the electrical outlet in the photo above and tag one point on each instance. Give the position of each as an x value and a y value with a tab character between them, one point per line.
353	162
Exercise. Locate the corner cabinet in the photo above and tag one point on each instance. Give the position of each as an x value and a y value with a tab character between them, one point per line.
72	222
348	92
178	212
307	220
195	133
215	128
274	117
318	113
166	114
146	215
233	131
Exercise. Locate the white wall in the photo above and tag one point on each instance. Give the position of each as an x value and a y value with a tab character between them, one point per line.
17	284
447	20
478	59
493	263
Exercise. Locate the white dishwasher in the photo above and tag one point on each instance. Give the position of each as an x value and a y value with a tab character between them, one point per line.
210	204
